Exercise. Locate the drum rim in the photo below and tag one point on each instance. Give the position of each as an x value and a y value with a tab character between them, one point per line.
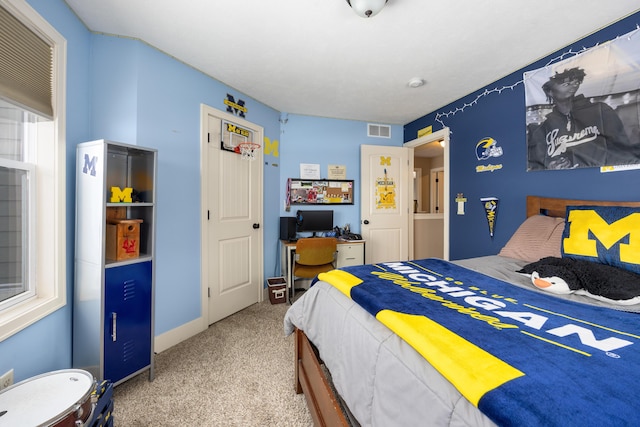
85	397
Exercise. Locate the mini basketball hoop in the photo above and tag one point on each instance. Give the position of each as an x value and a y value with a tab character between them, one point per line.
247	150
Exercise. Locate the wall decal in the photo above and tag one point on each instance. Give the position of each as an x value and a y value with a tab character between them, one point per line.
234	107
487	148
488	168
271	147
89	166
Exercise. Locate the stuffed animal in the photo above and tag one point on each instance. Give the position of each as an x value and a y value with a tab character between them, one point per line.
600	281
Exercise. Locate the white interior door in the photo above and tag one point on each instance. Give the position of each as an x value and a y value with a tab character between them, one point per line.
232	220
386	175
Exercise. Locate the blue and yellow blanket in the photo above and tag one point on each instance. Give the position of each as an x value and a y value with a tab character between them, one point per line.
522	357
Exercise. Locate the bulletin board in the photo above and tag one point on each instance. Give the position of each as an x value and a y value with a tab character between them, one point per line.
320	192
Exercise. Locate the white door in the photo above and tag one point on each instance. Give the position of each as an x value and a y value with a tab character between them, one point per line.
386	175
232	251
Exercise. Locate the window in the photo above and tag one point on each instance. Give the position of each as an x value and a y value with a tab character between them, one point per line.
16	185
32	168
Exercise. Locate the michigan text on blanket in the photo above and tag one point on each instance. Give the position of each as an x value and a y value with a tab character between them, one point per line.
408	276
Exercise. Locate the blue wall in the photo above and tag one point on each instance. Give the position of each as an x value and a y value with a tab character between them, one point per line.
502	117
141	96
326	142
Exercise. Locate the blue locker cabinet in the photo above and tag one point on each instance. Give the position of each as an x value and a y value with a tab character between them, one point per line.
127	332
113	296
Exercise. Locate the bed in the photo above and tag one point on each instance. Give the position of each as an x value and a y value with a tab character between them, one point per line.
355	370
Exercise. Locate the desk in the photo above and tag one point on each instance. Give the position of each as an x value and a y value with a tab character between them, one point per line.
350	252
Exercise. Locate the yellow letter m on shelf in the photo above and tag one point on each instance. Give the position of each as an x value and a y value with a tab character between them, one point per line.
118	195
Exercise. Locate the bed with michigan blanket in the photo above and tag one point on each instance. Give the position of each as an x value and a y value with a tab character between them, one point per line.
521	357
474	342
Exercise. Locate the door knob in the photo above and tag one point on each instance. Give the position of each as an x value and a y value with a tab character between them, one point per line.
256	226
366	221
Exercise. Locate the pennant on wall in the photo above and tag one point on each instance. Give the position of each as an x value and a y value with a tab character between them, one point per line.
491	212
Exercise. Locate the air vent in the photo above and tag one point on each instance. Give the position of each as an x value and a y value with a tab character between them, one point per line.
379	131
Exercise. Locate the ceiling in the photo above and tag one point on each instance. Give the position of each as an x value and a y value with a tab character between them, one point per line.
431	149
318	58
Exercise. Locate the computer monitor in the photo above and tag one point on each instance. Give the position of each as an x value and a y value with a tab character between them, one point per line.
314	221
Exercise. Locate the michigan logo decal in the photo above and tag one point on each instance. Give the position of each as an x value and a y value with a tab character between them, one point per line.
234	107
89	165
271	147
487	147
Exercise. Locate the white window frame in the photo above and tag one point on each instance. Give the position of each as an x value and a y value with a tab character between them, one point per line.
50	255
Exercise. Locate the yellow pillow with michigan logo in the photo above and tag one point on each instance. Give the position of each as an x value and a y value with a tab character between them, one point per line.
604	234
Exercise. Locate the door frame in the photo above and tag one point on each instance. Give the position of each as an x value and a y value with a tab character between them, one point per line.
433	192
417	186
442	134
205	175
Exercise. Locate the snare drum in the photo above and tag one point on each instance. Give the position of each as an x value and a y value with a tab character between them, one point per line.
58	398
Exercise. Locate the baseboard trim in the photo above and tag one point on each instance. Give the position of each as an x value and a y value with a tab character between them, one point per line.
175	336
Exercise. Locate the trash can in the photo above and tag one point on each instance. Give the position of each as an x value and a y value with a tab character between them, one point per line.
277	289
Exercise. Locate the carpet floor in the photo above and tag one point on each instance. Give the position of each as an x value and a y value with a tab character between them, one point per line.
239	372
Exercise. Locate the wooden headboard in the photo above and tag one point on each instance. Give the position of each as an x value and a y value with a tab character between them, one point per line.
557	207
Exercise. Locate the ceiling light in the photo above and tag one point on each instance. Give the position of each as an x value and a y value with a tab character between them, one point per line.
367	8
416	82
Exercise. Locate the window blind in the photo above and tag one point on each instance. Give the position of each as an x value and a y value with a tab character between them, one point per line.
26	63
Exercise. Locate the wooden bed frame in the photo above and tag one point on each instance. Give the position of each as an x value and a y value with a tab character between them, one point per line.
310	379
309	376
557	207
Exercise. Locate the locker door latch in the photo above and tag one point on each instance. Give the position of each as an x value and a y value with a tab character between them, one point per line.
114	321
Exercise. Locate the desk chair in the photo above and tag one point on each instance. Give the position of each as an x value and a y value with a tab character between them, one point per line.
313	256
